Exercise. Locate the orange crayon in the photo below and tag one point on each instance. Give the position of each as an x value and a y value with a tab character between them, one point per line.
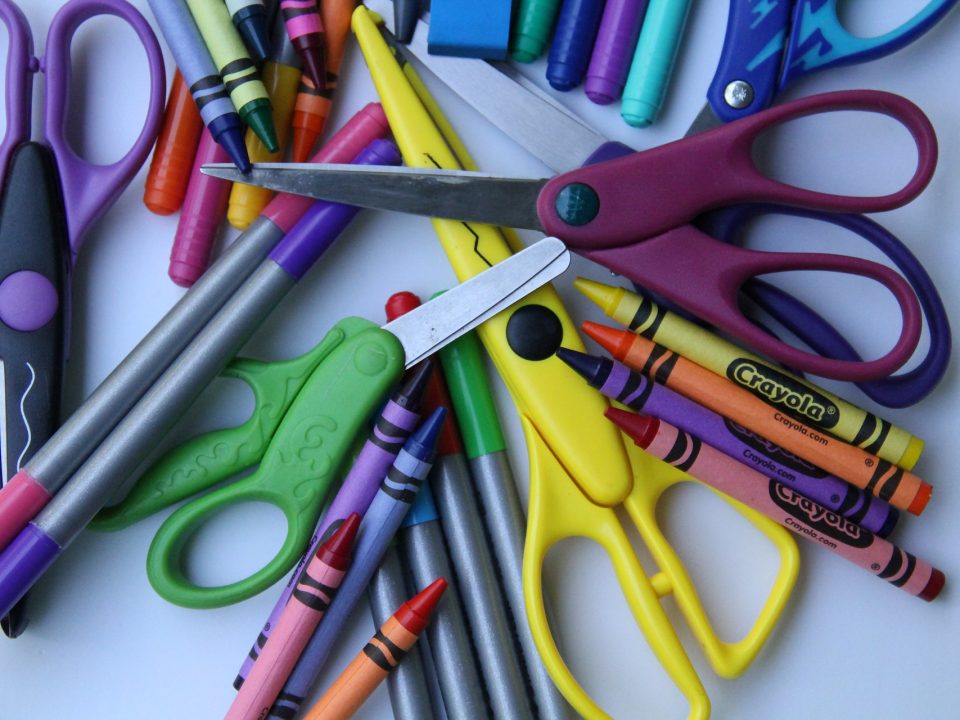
379	656
313	104
897	486
173	154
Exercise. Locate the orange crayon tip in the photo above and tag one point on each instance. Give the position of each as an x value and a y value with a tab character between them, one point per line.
415	613
641	428
614	341
921	499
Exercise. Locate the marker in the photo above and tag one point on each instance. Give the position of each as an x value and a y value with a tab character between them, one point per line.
572	43
532	28
203	211
397	420
250	19
781	503
639	393
503	516
653	61
780	388
281	77
313	104
613	49
413	687
899	487
239	74
315	590
380	523
305	28
379	657
465	28
174	152
201	76
470	555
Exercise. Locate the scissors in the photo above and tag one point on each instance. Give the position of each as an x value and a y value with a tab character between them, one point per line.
308	412
769	45
50	198
580	471
563	141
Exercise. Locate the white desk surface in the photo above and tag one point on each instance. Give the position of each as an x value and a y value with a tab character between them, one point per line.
102	644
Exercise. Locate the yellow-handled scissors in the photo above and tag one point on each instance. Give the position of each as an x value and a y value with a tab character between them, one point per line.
580	470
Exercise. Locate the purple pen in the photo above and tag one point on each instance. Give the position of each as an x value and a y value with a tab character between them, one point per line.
613	49
397	421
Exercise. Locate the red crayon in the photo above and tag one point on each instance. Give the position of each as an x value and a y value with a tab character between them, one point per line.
379	656
781	503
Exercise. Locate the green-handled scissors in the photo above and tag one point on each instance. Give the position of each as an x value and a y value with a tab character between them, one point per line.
308	413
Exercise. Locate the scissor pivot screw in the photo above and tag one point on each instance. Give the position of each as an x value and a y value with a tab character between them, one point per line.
738	94
577	204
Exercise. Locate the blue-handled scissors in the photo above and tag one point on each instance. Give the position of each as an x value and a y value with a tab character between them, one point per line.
772	44
564	142
50	198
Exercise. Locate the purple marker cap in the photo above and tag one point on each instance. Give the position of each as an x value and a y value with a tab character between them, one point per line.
22	563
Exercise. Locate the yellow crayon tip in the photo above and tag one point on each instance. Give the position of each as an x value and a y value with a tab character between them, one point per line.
911	454
606	297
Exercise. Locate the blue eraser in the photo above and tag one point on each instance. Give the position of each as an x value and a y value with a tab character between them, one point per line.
467	28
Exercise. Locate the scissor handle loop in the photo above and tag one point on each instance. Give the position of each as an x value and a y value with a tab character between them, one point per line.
818	40
728	659
21	65
558	510
89	188
647	193
901	390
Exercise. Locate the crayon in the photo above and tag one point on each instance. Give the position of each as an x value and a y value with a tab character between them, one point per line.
80	434
897	486
239	74
397	420
782	504
316	588
379	657
305	28
470	555
203	211
413	688
653	61
613	49
532	28
572	44
503	515
799	398
617	382
380	523
250	19
313	104
281	77
202	77
173	155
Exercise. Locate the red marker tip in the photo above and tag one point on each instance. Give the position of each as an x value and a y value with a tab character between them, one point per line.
614	341
400	304
415	613
641	428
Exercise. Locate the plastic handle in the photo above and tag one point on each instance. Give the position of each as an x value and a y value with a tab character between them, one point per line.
302	461
650	192
21	65
205	460
88	188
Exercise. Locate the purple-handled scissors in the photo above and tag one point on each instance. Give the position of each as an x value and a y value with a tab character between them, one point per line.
633	214
49	199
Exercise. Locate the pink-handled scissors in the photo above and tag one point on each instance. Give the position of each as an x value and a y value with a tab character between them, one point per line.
49	198
633	213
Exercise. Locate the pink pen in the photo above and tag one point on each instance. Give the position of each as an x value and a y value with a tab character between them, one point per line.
204	207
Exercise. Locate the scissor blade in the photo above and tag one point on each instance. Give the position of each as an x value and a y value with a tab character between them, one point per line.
705	120
429	327
555	136
454	194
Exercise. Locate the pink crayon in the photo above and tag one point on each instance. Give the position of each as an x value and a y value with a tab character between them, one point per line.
204	208
305	28
314	592
781	503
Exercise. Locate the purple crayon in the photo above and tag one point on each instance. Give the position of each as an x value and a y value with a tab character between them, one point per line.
397	420
613	49
617	382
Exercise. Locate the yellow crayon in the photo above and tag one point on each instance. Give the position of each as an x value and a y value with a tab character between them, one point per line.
780	388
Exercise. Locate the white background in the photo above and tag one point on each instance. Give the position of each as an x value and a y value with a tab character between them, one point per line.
102	644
